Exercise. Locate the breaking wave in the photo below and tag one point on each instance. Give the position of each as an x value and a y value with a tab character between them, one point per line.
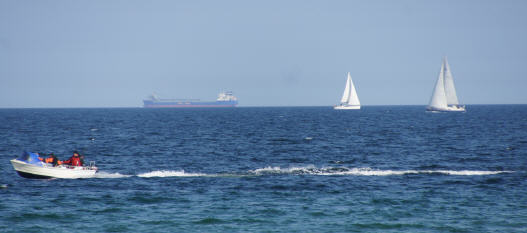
331	171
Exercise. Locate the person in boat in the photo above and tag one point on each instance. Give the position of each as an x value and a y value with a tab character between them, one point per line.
45	160
74	160
81	157
53	160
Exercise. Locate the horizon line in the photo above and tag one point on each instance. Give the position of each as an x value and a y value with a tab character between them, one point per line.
244	106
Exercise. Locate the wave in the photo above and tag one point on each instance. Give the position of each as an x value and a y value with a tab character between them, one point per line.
366	171
164	173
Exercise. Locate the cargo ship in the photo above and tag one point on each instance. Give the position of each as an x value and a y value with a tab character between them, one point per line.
225	100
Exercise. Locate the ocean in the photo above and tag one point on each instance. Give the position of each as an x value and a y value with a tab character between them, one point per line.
270	169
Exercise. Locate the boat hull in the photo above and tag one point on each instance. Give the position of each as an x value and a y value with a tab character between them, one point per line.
47	171
189	104
347	107
451	108
32	176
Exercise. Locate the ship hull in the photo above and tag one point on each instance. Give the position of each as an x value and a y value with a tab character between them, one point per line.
189	106
183	104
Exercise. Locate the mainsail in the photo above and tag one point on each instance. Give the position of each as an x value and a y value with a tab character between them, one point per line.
346	94
438	100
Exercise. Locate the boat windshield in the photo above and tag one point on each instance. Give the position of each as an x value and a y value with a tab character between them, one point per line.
31	158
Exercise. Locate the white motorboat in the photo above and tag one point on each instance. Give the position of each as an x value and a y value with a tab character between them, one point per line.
349	99
444	97
29	166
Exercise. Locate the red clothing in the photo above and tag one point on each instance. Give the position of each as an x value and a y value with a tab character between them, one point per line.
74	161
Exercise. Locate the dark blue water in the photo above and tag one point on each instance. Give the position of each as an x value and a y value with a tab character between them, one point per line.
296	169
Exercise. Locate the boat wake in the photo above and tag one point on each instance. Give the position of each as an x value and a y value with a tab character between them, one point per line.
305	170
106	175
163	173
366	171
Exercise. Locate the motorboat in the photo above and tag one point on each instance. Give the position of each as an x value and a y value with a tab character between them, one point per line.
28	165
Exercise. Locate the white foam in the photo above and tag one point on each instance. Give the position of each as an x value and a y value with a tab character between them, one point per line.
469	173
164	173
304	170
370	172
271	170
366	171
106	175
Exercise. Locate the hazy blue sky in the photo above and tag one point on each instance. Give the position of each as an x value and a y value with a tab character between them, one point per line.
106	53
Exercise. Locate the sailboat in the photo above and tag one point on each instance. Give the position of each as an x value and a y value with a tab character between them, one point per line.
444	98
349	100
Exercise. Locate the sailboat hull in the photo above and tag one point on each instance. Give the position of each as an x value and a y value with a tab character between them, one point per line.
347	107
452	108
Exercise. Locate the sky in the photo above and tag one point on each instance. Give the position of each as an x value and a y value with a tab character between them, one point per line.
110	53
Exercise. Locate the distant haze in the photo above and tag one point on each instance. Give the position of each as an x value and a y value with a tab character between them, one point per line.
95	53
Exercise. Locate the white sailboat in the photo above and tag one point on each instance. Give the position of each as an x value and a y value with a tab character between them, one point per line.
444	98
349	100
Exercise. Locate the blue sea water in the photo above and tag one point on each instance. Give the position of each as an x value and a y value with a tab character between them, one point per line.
287	169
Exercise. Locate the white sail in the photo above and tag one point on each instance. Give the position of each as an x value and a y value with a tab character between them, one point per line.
444	97
346	94
353	97
438	100
349	100
450	90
